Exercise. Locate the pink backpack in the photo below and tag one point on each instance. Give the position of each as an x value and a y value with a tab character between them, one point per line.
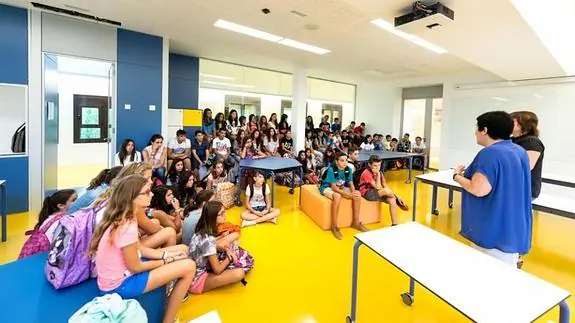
38	241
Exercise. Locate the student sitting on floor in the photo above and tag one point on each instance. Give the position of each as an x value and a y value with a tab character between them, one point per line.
237	143
212	272
217	176
152	234
271	142
308	168
118	252
98	185
258	202
372	187
328	157
155	155
53	209
180	148
367	143
333	187
200	150
166	208
188	192
127	154
177	175
248	150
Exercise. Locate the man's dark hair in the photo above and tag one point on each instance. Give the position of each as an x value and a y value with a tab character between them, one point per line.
338	154
198	132
406	134
362	124
499	124
374	159
352	149
222	129
181	132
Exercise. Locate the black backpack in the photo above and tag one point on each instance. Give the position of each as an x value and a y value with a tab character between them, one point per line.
19	140
357	176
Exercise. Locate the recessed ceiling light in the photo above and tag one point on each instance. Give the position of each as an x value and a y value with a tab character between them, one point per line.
219	77
303	46
247	31
269	37
387	26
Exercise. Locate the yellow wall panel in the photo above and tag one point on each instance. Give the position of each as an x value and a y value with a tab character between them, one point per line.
192	118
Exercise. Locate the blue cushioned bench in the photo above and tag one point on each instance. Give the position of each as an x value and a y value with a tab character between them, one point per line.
27	297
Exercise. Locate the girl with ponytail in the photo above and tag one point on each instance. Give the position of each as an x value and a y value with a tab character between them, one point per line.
98	185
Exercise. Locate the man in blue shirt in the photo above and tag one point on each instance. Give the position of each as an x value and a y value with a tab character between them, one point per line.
496	212
333	186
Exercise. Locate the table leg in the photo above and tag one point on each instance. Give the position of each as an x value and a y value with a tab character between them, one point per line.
563	312
300	182
414	204
383	166
273	186
4	211
351	318
434	209
451	199
238	182
291	190
410	160
408	298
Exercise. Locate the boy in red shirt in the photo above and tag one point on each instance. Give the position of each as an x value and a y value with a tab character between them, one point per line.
372	187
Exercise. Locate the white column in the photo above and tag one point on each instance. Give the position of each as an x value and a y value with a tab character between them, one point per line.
35	125
165	86
298	108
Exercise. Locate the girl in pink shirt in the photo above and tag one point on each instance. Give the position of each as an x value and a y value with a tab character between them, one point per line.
120	257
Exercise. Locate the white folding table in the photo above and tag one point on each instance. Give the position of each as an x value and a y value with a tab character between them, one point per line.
560	180
480	287
545	202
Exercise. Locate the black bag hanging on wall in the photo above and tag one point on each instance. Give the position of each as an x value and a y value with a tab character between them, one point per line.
19	139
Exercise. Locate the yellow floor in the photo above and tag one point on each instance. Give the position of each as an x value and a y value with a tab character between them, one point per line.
302	274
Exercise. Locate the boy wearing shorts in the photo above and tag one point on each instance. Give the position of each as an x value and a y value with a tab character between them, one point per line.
372	187
333	187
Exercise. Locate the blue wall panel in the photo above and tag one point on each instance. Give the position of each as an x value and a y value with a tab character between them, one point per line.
15	171
139	84
184	82
13	45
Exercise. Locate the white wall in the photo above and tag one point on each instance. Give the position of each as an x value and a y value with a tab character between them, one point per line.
12	114
68	152
375	105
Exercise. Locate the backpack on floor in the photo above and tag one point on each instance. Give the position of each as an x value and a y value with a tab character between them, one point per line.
245	260
68	261
38	241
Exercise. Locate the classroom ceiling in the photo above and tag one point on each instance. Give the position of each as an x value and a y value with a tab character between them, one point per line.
487	34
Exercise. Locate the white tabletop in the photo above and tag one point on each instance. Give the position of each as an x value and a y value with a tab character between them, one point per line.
211	317
481	287
559	178
550	201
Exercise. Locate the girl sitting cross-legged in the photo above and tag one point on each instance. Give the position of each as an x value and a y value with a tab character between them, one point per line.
166	208
212	272
124	266
258	202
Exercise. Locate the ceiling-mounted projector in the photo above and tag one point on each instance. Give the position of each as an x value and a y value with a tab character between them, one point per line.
435	15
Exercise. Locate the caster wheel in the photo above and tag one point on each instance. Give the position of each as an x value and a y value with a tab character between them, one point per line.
348	319
407	299
238	203
291	190
451	205
435	212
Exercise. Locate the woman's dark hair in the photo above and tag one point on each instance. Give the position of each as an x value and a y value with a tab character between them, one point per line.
365	139
304	160
275	122
104	177
224	174
273	137
309	122
499	124
283	121
233	121
252	117
220	121
50	205
180	179
154	138
205	120
202	197
329	157
124	152
262	122
242	119
159	199
208	222
528	121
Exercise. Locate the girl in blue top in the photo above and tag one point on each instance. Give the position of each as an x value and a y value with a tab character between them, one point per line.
97	186
208	124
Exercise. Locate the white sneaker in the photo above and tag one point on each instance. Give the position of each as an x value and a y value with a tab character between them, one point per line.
247	223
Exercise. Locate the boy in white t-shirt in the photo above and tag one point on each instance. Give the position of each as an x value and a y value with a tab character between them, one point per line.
222	145
179	148
420	148
258	202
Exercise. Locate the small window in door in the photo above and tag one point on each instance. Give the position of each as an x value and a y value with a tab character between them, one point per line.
90	119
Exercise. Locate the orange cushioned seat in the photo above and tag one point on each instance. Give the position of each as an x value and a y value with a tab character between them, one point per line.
318	208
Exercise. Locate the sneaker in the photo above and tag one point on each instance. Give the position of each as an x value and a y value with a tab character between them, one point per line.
247	223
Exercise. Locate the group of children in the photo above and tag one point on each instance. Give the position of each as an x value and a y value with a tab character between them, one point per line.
147	236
